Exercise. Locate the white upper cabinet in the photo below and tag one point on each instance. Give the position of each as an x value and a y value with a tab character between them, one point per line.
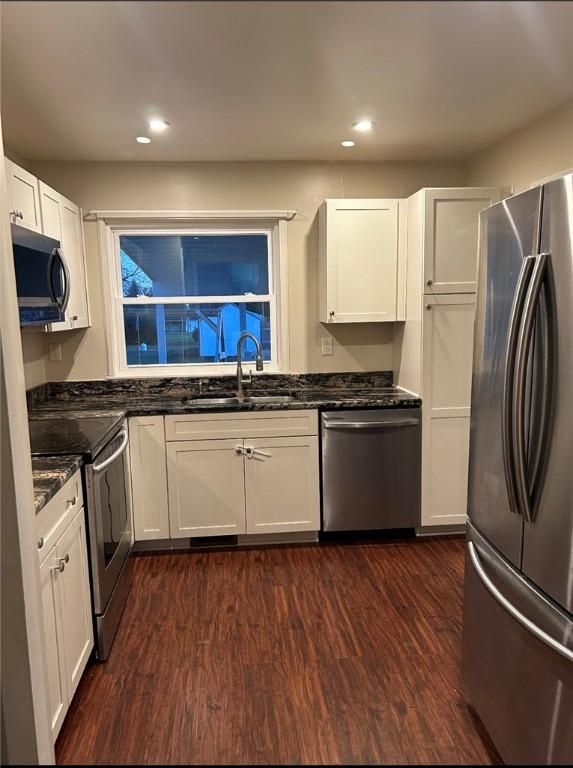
38	207
62	220
362	261
23	194
450	241
73	246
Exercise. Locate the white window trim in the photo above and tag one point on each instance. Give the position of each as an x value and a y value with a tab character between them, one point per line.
111	224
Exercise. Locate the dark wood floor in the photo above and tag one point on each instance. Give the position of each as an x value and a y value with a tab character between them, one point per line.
332	654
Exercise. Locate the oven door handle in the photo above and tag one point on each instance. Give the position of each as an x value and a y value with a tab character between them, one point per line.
125	439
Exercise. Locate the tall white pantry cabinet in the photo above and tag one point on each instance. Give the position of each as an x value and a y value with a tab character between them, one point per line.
434	347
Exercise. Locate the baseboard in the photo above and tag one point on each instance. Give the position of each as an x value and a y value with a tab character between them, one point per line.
224	542
441	530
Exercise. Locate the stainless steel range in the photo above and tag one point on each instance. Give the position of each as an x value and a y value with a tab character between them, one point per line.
102	440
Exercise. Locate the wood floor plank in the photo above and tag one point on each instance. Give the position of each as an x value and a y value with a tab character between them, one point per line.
345	653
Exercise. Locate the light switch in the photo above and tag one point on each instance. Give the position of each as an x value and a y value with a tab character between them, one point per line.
55	353
326	345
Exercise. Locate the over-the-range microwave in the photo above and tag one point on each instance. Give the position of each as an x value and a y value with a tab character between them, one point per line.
42	277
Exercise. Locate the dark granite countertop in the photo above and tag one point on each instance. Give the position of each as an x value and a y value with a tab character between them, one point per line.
50	473
137	397
157	405
133	397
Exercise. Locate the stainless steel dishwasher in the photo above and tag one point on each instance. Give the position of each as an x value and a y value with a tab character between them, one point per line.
371	469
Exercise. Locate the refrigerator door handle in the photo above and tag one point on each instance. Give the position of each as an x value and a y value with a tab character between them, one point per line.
520	382
507	443
539	633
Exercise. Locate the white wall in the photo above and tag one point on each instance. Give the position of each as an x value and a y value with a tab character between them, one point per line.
302	186
539	149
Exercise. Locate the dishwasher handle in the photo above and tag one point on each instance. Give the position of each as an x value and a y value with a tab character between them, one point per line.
371	424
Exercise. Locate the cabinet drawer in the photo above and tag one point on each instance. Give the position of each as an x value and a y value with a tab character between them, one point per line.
52	520
216	426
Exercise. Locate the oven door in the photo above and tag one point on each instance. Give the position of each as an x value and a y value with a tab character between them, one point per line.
108	516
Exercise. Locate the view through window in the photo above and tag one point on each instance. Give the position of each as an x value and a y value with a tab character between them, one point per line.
187	297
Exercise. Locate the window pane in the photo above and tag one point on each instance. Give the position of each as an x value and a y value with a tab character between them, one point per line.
194	265
174	334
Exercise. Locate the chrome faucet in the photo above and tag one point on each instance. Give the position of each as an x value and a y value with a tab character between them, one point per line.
259	362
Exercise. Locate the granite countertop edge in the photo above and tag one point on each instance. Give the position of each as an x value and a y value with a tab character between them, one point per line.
171	406
50	473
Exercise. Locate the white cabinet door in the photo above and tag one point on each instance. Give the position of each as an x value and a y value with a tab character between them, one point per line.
445	500
73	248
361	270
77	631
451	227
206	488
282	485
50	211
23	193
447	354
149	477
51	610
62	220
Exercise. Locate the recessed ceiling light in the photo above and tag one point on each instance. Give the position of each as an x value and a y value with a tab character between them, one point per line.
348	143
158	125
143	140
363	125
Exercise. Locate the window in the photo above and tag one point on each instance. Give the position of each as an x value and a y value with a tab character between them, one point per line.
183	297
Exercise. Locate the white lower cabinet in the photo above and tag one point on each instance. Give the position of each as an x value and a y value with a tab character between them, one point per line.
148	477
224	474
206	488
282	485
66	608
51	609
447	352
77	631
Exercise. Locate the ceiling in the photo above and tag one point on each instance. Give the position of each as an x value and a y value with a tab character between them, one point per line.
278	80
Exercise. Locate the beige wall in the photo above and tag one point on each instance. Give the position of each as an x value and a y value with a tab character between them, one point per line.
302	186
539	149
34	349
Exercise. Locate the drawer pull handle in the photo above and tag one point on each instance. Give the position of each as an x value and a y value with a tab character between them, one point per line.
61	566
73	502
40	542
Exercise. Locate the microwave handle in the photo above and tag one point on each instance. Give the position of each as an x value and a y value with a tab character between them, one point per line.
63	303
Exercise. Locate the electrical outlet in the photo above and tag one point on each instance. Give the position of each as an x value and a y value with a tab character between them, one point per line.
55	353
326	345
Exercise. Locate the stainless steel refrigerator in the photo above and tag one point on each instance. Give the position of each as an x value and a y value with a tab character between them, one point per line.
518	623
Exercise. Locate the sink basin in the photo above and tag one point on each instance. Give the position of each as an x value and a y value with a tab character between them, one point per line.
213	401
269	399
252	400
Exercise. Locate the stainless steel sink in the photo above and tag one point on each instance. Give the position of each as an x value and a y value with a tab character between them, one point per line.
268	399
253	400
213	401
